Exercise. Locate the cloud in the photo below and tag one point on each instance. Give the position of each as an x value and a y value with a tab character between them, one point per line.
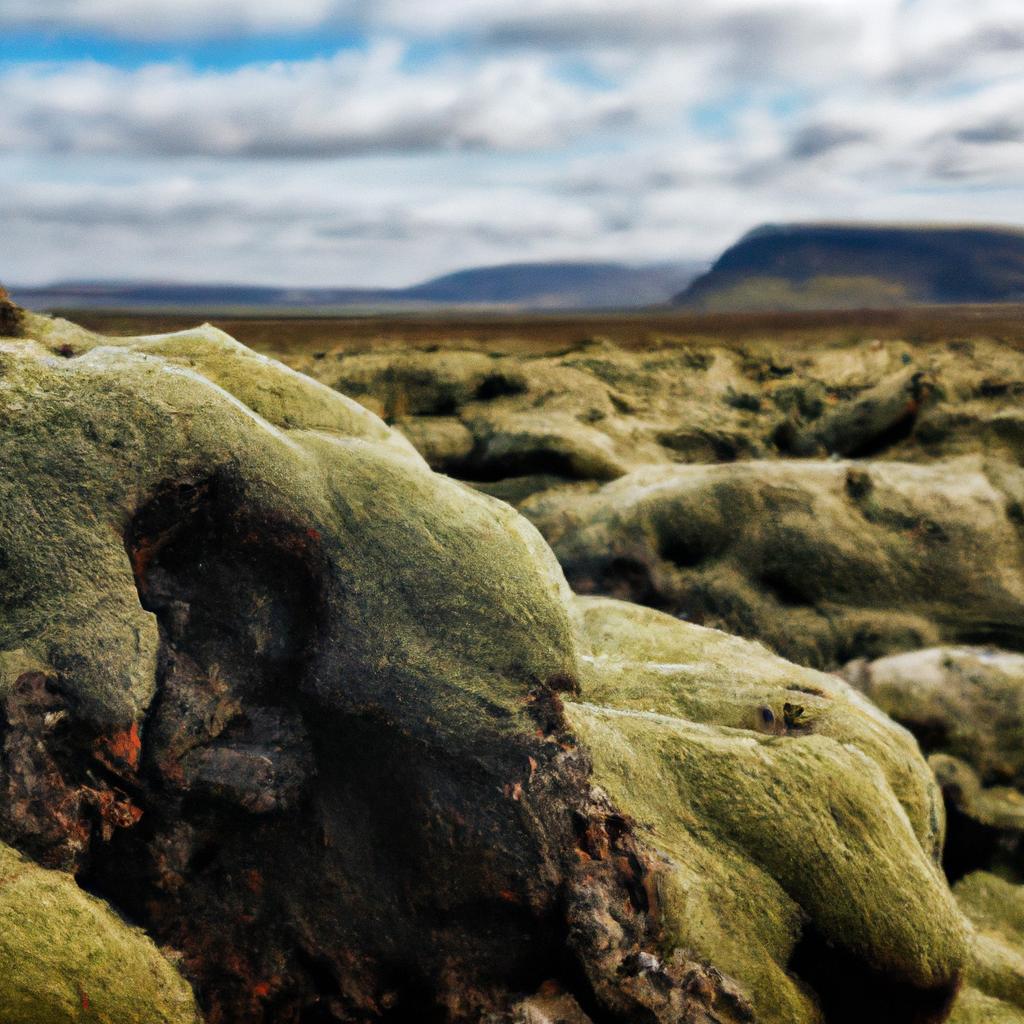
349	104
534	129
172	19
813	140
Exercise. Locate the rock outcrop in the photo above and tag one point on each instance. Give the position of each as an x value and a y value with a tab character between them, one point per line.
994	993
822	560
333	729
965	705
598	411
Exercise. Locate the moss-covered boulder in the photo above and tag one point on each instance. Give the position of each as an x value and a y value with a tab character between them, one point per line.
65	956
965	705
801	827
963	701
995	977
821	560
334	727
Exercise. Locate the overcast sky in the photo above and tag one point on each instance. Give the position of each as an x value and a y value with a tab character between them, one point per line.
379	142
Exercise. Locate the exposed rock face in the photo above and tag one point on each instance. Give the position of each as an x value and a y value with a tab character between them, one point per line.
822	560
334	728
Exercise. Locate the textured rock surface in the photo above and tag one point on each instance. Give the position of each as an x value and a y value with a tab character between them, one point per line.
793	812
963	701
334	728
965	705
824	561
821	560
597	410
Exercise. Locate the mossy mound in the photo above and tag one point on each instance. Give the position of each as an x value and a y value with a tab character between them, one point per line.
801	827
89	435
995	978
64	956
965	705
963	701
823	561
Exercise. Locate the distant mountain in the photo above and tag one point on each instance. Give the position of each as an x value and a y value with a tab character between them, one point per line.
842	266
558	285
540	286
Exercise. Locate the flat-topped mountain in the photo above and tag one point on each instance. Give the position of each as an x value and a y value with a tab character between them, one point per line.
841	266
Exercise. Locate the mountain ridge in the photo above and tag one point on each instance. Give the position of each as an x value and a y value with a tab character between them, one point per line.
854	265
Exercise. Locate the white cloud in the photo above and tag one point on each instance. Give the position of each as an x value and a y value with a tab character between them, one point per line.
352	103
172	19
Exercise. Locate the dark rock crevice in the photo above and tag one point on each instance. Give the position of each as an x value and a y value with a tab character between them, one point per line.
323	867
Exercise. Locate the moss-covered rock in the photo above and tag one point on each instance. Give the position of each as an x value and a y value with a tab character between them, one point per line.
995	978
965	705
88	439
65	957
821	560
788	807
696	399
385	763
963	701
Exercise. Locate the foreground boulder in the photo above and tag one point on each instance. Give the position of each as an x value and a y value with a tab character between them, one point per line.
334	729
824	561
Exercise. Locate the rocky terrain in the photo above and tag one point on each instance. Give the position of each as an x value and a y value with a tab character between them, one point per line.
324	734
862	266
840	500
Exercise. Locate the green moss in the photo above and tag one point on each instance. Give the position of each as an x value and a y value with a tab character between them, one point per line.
65	957
821	560
974	1007
462	591
967	701
780	796
833	818
14	664
836	291
996	975
998	807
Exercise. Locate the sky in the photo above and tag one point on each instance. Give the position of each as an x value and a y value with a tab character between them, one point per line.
381	142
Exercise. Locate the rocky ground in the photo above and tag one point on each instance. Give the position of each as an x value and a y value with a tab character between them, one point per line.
323	734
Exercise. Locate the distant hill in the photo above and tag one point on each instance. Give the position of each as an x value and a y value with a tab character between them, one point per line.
838	266
558	285
541	286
